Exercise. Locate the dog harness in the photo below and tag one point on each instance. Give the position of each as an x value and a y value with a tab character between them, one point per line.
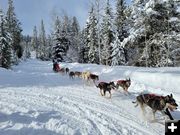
147	97
121	81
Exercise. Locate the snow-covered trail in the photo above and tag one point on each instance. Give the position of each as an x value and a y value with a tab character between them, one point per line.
36	101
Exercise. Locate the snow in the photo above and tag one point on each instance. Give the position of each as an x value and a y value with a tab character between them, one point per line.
36	101
173	19
178	9
150	11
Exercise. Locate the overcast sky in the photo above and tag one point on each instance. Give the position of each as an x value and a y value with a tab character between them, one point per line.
30	12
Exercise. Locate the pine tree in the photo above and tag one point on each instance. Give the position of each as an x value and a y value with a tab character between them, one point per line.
42	42
49	48
13	26
5	48
34	41
73	38
118	54
81	51
120	19
92	36
26	41
150	41
85	48
107	35
60	47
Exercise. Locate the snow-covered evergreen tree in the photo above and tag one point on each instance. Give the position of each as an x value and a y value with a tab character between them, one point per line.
150	41
120	19
49	47
34	41
13	26
42	42
118	54
73	37
84	49
5	48
107	35
81	50
92	36
26	43
61	43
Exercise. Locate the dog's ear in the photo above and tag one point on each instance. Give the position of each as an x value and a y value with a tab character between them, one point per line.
171	95
167	98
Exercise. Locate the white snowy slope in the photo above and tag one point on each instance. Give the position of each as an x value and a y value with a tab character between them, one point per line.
36	101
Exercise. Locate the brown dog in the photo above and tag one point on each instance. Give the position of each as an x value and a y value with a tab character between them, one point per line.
125	84
93	77
156	103
104	86
77	74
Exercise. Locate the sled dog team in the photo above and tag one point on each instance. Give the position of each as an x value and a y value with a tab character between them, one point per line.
155	102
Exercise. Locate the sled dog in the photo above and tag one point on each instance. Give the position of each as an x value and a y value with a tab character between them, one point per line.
125	84
104	86
156	103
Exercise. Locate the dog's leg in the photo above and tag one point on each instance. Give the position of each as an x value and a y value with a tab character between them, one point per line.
154	111
101	92
126	90
104	92
110	93
117	86
142	108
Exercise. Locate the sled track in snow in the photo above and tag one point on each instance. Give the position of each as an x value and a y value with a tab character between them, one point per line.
88	113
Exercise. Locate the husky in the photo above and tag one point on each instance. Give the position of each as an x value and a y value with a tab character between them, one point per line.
125	84
93	77
71	75
104	86
156	103
77	74
85	75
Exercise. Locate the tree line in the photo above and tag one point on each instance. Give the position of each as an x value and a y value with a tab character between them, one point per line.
144	33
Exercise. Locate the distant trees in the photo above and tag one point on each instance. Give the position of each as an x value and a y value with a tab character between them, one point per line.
106	48
42	52
145	33
34	41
